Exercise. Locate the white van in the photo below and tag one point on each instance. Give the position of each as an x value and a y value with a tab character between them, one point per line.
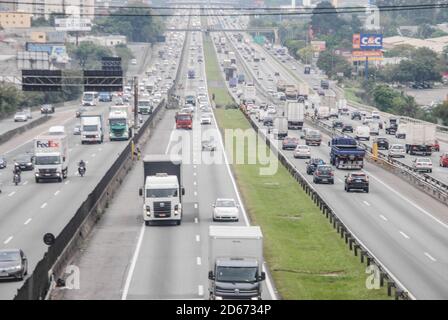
56	131
374	128
362	133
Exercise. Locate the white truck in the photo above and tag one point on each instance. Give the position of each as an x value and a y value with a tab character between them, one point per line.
295	112
249	93
163	190
235	262
89	98
144	106
92	130
420	138
323	113
280	127
362	133
50	157
342	107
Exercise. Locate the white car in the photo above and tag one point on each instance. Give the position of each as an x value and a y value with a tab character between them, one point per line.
397	151
302	151
77	130
134	61
422	165
20	116
225	210
272	110
206	119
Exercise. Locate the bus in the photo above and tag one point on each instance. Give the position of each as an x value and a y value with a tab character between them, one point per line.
89	98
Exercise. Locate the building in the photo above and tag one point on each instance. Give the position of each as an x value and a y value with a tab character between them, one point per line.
435	44
108	41
9	20
70	7
349	3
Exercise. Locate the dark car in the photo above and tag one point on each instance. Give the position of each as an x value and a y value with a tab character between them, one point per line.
13	264
338	124
383	143
347	128
268	121
46	109
323	174
25	162
289	143
2	162
357	181
356	115
312	165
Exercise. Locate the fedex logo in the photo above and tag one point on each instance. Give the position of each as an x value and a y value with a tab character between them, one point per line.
47	144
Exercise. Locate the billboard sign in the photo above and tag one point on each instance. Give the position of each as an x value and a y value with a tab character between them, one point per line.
73	24
39	47
368	41
319	46
373	55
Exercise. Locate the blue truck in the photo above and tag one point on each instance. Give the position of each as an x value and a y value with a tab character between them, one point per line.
346	154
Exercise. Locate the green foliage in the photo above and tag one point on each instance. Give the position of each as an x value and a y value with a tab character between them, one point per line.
440	113
89	54
324	24
333	64
143	28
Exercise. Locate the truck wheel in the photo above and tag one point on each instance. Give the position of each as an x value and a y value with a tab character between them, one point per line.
60	179
179	222
366	190
37	180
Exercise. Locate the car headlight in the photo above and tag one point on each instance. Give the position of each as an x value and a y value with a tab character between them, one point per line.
29	164
218	298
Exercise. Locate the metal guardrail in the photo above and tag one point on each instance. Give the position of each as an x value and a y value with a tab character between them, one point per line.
429	184
37	285
354	243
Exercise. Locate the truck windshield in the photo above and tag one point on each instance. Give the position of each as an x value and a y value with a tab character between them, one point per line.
117	122
88	97
45	160
90	128
161	193
144	103
236	274
183	117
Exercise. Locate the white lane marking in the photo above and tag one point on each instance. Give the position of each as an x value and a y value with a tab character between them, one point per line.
195	193
430	257
404	235
43	206
198	238
195	183
409	201
200	290
383	217
67	182
25	183
198	261
70	150
366	203
196	220
133	262
28	221
100	149
171	138
93	155
195	205
8	240
194	173
340	180
246	219
195	166
57	192
11	194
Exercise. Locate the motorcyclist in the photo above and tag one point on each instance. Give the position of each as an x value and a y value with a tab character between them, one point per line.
81	167
16	171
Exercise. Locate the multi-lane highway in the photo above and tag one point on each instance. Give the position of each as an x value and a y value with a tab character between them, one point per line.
404	228
29	210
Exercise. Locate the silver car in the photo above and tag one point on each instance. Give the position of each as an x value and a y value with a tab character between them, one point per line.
397	151
13	264
422	165
20	116
225	210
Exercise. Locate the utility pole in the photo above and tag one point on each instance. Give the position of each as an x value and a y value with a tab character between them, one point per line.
135	104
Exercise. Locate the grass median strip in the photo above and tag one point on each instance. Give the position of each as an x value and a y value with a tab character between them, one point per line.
307	258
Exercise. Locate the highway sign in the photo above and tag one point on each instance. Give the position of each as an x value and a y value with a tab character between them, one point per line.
73	24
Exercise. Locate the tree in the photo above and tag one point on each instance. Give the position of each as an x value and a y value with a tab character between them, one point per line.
306	54
333	64
136	23
325	23
441	113
89	54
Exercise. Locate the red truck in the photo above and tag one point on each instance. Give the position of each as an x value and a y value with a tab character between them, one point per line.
184	121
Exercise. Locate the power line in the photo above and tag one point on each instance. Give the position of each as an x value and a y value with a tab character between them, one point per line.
283	11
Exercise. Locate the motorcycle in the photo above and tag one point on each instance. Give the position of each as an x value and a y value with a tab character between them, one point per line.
16	178
82	171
